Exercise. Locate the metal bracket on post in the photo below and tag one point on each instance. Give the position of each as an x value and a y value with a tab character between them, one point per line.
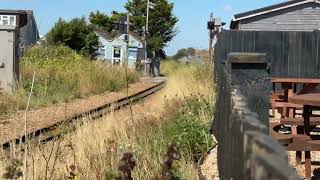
215	27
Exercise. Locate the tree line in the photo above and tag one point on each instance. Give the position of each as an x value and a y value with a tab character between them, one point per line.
79	34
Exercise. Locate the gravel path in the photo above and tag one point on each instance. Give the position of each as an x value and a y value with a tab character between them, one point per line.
315	168
12	128
209	168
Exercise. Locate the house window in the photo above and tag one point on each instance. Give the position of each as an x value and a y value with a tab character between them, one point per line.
116	59
8	20
102	51
117	52
132	53
12	20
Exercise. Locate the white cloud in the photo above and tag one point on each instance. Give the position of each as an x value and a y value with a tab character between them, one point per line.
227	8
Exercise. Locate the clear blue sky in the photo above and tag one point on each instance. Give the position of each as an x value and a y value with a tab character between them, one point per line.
193	14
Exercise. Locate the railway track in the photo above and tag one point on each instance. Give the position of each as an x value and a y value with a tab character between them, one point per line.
69	125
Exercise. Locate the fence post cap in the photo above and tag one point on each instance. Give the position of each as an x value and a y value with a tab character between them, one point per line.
247	58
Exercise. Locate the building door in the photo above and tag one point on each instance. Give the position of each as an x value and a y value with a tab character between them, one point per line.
9	69
117	55
132	57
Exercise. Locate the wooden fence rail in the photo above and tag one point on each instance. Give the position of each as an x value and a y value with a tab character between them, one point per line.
245	149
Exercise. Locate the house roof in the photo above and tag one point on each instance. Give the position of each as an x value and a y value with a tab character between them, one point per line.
268	9
135	35
11	11
110	37
104	34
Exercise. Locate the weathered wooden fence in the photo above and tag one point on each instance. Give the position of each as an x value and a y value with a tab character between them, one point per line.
291	54
245	151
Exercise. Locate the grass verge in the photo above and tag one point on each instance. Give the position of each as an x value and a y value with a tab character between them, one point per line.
61	75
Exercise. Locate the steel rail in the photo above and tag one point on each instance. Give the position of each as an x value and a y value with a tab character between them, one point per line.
51	132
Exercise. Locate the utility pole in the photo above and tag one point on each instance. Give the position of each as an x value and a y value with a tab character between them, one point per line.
128	40
145	40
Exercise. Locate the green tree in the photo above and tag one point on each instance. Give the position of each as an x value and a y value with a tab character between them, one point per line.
102	20
76	34
162	21
184	52
105	21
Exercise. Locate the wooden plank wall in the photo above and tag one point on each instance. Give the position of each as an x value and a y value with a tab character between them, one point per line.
298	18
291	54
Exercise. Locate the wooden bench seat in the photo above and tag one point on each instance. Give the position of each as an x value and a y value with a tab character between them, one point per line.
285	105
283	139
314	121
314	144
297	142
275	97
311	145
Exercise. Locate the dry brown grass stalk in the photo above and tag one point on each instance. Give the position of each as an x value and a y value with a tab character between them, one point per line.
92	151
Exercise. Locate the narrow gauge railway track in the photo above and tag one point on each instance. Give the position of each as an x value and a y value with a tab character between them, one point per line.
51	132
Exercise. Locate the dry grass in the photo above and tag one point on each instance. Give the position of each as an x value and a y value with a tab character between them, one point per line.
92	151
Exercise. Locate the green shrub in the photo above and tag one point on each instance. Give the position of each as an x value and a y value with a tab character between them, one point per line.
188	127
189	131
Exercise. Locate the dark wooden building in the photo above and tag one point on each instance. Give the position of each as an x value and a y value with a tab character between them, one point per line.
26	23
293	15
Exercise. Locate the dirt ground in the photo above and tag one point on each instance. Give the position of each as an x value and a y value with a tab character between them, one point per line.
209	168
315	156
315	168
13	127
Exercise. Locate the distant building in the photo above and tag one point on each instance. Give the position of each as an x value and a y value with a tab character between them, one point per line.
112	48
18	30
199	56
294	15
202	54
26	23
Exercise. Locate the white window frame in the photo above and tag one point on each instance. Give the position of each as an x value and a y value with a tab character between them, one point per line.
103	49
8	17
117	58
135	50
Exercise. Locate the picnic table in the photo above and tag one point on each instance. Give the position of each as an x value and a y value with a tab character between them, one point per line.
289	86
306	142
280	101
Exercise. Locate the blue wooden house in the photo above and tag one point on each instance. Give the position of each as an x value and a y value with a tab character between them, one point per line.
112	48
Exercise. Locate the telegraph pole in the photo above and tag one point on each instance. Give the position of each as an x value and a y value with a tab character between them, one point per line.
145	39
127	40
